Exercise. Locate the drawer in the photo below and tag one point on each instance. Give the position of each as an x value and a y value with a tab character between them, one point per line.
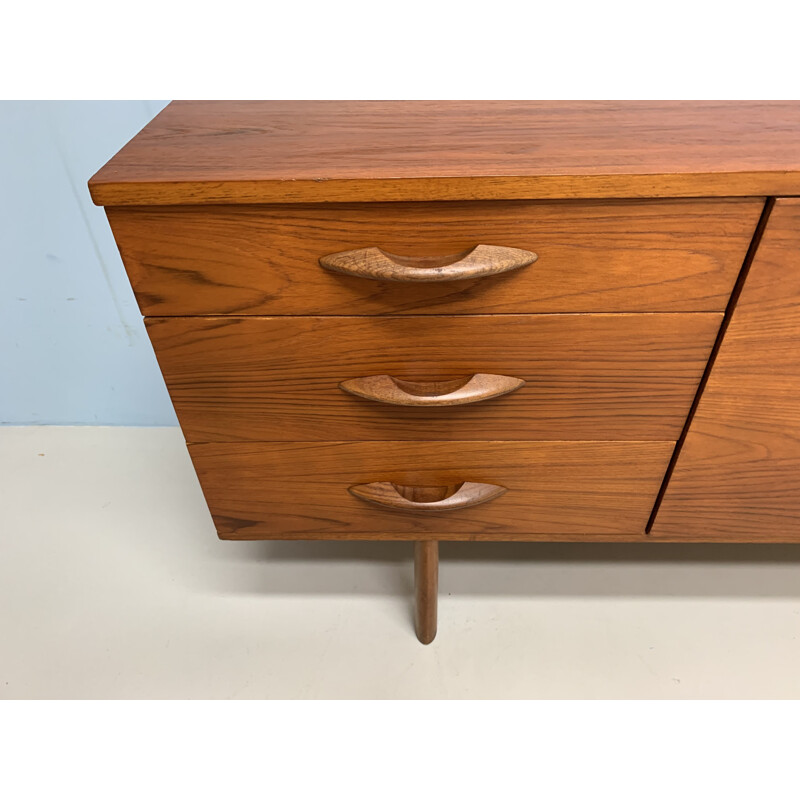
592	256
317	490
586	376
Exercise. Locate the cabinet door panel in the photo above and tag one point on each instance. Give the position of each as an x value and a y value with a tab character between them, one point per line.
738	474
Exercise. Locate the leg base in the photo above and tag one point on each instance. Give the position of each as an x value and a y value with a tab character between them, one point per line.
426	588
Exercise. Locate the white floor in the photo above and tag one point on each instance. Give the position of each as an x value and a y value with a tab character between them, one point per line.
114	585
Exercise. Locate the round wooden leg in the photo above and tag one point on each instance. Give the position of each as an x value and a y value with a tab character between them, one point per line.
426	585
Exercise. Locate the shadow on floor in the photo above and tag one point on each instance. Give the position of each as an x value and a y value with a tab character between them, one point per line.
505	569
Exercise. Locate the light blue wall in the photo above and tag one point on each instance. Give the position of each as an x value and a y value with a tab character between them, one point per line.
73	349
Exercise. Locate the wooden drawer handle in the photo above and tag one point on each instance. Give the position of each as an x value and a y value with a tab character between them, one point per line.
386	389
375	264
427	498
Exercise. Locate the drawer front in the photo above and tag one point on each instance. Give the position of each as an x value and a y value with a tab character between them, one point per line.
586	376
303	490
657	255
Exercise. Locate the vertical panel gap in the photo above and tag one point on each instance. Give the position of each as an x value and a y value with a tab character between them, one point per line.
729	309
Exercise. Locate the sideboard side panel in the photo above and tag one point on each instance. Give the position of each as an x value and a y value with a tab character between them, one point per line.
738	473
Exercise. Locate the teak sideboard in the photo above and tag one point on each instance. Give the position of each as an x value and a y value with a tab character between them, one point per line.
525	321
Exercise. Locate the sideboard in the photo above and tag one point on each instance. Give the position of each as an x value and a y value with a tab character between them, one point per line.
426	321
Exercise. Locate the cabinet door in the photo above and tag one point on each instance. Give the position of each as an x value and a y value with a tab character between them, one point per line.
737	476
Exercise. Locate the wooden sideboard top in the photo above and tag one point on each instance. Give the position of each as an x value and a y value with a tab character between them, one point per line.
372	151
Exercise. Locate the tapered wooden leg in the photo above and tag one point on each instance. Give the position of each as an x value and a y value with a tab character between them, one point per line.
426	586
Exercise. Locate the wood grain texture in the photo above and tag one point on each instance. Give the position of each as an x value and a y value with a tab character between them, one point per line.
299	490
663	255
587	376
312	151
426	589
738	473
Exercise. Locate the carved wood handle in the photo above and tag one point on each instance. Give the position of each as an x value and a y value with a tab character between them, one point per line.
386	389
375	264
427	498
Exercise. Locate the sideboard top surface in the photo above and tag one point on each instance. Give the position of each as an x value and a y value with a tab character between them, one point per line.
372	151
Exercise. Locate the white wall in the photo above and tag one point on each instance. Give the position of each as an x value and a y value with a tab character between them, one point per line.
73	349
